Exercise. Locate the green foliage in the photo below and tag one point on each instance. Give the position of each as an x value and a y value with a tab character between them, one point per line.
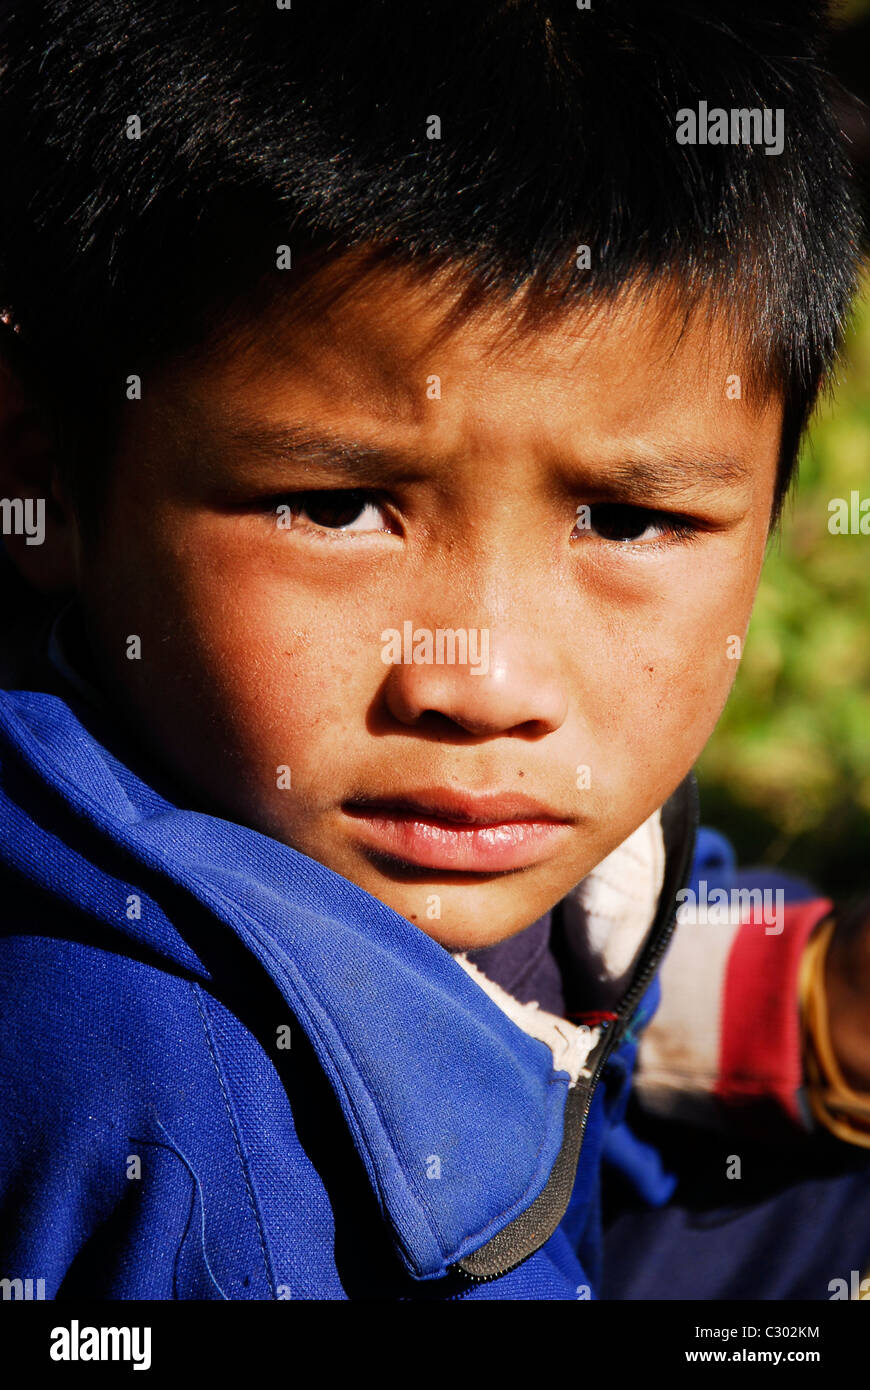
787	772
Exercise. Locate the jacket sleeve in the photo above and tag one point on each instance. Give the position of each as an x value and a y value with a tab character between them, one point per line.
724	1046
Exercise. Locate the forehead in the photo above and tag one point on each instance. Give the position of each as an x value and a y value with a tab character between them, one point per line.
382	346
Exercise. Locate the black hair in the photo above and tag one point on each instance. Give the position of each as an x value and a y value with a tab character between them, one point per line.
310	126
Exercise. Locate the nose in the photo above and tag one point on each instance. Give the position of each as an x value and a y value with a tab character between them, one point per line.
509	684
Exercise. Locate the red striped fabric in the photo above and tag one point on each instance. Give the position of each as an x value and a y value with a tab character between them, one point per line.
759	1041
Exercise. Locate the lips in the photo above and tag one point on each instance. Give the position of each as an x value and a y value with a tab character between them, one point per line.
455	831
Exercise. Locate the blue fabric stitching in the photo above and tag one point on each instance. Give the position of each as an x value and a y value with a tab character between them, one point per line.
261	1236
197	1191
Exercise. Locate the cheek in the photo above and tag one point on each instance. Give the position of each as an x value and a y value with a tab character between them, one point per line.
678	656
241	670
266	673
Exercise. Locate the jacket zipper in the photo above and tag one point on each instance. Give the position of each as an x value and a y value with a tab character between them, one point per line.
655	949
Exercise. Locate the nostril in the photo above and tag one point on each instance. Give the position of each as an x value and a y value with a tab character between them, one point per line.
515	693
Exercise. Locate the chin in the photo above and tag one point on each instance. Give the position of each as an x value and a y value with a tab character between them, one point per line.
467	915
461	929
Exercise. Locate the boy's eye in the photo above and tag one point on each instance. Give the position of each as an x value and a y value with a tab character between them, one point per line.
344	510
352	510
617	521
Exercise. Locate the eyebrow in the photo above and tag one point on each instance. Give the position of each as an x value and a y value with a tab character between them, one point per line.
669	472
296	444
672	472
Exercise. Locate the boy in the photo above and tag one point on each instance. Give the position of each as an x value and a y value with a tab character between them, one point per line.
410	414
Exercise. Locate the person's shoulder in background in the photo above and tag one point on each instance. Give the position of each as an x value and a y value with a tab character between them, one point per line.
726	1042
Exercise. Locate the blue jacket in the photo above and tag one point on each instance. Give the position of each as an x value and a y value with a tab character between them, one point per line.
227	1072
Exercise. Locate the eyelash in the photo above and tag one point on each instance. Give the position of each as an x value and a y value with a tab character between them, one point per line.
298	500
676	527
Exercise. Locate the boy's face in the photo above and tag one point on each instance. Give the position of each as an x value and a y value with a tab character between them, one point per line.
602	644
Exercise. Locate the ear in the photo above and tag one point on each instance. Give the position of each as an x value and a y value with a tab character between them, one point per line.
37	522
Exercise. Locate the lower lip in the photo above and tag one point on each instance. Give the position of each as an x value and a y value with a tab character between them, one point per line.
448	845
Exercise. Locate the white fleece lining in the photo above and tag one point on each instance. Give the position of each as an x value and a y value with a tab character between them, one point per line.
617	900
619	897
569	1043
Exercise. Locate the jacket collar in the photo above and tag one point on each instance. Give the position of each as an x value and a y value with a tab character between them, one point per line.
393	1018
